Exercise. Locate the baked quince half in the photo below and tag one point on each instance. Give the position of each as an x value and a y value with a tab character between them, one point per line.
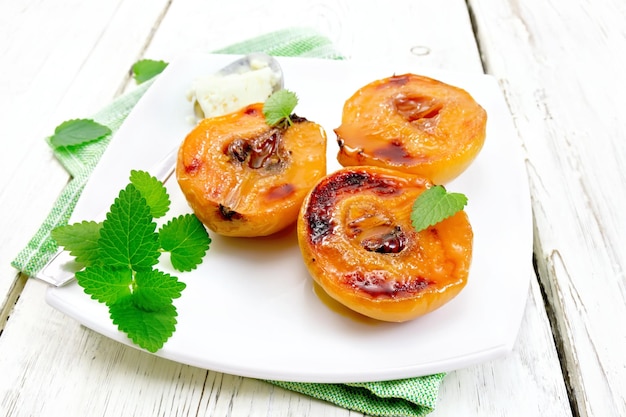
359	244
245	178
414	124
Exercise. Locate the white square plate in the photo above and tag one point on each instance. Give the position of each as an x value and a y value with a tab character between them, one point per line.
250	309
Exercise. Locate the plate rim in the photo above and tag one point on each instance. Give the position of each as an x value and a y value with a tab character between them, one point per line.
53	294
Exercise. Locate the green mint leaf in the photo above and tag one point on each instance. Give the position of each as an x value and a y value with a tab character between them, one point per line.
81	240
120	254
105	284
434	205
146	69
153	191
155	290
279	106
187	240
128	237
148	329
77	131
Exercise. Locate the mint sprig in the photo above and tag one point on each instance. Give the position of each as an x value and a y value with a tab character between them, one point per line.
278	107
435	205
77	131
145	69
120	256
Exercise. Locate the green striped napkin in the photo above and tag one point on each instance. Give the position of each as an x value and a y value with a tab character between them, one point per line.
407	397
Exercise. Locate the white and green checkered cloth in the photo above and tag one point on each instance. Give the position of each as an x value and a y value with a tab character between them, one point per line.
406	397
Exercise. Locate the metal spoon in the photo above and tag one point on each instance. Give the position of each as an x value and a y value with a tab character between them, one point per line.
61	269
252	62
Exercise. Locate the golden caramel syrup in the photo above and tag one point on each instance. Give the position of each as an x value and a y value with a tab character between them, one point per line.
336	307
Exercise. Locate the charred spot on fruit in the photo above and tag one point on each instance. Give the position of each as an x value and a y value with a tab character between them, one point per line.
379	284
318	212
433	231
194	166
228	214
326	193
319	227
290	120
351	181
251	111
393	241
297	119
413	285
328	190
323	199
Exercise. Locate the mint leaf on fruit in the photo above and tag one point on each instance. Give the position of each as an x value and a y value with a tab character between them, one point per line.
146	69
278	107
77	131
434	205
185	238
120	257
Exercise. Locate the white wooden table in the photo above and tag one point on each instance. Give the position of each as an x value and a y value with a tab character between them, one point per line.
561	65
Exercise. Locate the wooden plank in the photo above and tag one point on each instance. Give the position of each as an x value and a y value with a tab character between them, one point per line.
524	383
571	120
60	60
367	30
61	367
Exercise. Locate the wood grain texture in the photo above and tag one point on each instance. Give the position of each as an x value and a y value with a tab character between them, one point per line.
52	366
522	384
60	60
569	113
368	30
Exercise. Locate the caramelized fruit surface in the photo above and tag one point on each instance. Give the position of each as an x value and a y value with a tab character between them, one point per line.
358	243
414	124
244	178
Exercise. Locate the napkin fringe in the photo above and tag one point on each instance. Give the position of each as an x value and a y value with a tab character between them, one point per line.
382	399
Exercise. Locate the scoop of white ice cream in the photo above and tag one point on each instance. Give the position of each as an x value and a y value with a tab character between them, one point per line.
215	95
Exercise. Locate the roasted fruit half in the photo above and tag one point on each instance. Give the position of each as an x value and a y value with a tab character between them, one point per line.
414	124
244	178
359	245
